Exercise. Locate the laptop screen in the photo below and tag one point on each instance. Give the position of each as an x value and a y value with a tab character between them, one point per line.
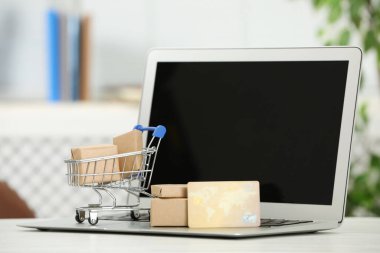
275	122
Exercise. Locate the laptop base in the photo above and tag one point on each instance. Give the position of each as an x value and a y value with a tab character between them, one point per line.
144	228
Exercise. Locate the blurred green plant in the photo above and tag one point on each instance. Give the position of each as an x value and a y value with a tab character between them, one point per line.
357	21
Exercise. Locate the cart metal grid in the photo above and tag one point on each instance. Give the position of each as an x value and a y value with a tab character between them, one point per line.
108	174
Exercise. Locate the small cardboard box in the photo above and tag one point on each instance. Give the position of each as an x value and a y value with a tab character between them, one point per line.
169	190
223	204
103	166
168	212
129	142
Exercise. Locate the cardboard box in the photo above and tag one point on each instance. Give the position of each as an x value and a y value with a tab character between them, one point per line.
104	166
169	190
168	212
129	142
223	204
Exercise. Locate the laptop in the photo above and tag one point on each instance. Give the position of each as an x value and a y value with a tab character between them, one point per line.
282	116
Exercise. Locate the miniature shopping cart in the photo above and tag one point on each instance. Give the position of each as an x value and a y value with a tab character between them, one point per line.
111	174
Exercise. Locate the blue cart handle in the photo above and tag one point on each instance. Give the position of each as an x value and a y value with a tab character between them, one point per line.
158	131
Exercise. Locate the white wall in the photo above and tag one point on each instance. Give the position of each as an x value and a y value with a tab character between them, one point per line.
123	31
22	49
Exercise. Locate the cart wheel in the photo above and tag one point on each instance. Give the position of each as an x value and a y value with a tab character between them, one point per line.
80	216
93	218
135	215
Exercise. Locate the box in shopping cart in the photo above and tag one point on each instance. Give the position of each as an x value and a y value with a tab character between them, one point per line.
102	167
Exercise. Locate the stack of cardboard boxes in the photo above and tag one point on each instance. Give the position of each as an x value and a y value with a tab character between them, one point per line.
169	207
206	204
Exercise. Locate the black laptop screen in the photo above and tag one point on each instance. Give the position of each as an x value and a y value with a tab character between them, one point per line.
275	122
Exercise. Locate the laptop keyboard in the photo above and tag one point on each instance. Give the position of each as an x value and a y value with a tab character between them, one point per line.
280	222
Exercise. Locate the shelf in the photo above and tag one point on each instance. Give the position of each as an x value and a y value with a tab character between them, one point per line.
63	119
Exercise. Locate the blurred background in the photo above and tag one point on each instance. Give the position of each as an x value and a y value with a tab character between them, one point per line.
71	73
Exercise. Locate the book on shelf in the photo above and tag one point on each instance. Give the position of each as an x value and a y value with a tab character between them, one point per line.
64	76
69	54
54	55
84	77
73	32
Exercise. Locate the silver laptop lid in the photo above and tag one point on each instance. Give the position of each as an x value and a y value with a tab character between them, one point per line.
281	116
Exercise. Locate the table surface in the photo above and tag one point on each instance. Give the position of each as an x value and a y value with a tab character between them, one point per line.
355	235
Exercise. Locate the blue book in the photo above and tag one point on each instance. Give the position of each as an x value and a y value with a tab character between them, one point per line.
53	54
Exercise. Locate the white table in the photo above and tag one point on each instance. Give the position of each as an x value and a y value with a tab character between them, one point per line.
355	235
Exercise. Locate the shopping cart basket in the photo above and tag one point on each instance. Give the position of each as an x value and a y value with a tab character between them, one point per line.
109	174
